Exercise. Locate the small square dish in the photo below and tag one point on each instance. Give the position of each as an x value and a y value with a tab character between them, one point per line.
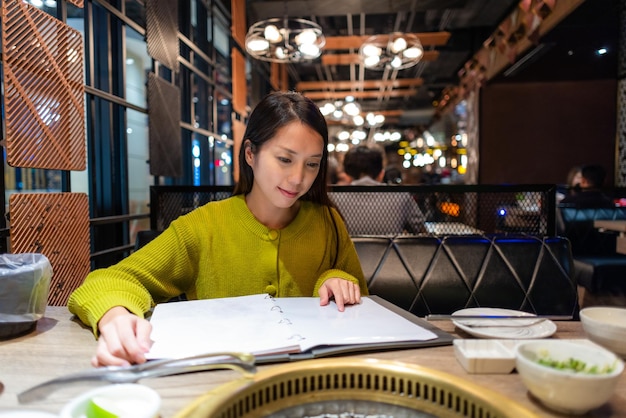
485	356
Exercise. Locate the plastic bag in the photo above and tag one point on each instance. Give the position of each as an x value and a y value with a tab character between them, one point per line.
24	286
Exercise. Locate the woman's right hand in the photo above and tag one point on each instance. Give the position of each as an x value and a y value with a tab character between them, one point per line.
124	339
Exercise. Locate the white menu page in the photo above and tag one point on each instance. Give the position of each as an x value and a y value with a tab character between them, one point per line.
261	325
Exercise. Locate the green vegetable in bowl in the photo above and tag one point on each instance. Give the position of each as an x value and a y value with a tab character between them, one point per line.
574	365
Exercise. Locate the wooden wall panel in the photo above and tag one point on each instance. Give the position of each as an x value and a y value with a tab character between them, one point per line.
43	79
239	128
535	132
239	25
240	90
57	226
162	32
166	150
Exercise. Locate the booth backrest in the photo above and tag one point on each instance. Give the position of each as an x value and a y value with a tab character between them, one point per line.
430	275
586	240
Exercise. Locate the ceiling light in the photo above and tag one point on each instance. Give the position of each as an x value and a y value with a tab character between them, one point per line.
347	111
374	119
285	40
395	51
351	109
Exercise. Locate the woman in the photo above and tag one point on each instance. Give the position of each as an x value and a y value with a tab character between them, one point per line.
278	234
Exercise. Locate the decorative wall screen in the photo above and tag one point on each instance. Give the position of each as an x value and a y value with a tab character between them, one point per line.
162	32
43	80
57	226
164	128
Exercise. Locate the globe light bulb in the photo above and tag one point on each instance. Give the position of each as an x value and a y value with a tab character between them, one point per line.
371	50
309	50
399	44
272	34
280	53
307	36
371	60
413	52
396	62
258	44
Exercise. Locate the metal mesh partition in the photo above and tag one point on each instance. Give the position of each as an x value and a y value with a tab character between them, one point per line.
169	202
448	209
393	210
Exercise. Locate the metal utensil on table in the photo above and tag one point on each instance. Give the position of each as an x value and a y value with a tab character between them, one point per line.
441	317
485	321
508	323
242	362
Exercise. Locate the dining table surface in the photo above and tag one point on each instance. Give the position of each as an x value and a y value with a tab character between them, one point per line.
61	345
618	225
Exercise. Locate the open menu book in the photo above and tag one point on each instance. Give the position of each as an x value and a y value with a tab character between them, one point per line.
282	329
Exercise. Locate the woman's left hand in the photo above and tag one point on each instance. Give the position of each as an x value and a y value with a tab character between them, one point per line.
344	291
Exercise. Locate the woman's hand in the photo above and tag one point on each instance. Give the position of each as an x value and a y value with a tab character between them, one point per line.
124	339
344	291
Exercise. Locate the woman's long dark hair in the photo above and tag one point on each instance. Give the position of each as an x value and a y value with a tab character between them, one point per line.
275	111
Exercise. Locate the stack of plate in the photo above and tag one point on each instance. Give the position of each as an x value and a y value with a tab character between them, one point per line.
510	328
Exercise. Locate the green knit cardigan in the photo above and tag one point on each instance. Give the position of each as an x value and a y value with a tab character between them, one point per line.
221	250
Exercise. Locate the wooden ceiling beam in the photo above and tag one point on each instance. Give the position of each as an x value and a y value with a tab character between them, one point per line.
391	113
355	41
347	59
358	85
370	94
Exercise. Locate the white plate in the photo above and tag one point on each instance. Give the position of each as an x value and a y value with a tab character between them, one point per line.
503	328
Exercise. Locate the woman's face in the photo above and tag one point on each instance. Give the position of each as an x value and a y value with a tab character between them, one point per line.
286	166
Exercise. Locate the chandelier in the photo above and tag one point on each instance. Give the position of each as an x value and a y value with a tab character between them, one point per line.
395	51
285	40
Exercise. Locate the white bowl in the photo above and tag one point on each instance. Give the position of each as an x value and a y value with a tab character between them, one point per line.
606	325
568	391
130	400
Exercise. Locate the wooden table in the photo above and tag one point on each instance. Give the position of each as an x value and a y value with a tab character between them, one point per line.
614	225
611	225
61	345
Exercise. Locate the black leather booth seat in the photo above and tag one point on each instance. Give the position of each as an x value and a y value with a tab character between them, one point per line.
598	268
440	275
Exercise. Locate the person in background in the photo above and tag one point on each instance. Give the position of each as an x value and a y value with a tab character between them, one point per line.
574	177
375	212
336	175
393	175
278	234
592	178
573	184
365	165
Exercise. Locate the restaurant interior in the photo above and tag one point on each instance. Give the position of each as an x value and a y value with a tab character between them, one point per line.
120	116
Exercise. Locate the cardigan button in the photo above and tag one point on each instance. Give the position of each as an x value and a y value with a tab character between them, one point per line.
271	290
272	234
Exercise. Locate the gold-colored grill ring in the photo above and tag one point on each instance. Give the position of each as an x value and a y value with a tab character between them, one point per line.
386	382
